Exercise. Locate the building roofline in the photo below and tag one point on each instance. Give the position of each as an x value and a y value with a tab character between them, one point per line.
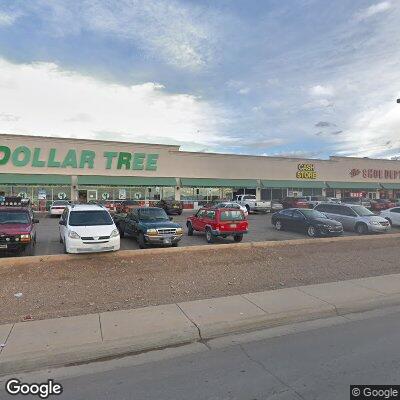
59	138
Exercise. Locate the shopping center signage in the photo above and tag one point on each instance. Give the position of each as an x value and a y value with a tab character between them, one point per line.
306	171
370	173
23	156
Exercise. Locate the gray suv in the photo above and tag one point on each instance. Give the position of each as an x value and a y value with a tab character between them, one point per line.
354	217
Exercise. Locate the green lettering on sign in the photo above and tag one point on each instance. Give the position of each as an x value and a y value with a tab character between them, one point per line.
151	164
26	156
70	160
87	157
36	162
138	160
52	159
124	159
5	154
109	155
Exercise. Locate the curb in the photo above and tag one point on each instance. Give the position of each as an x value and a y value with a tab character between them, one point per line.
121	254
204	323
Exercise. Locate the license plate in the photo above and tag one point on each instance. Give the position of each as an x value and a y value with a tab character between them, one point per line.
3	246
233	225
176	207
167	241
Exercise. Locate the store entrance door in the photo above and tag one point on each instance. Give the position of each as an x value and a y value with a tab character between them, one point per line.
92	195
82	196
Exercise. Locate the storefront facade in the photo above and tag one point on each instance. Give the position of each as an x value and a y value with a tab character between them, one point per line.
46	169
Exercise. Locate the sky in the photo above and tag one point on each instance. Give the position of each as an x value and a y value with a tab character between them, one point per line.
295	78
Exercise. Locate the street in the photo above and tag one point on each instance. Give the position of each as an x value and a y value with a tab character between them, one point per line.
320	361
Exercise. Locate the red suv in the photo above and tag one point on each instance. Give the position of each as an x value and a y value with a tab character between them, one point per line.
17	227
381	204
218	222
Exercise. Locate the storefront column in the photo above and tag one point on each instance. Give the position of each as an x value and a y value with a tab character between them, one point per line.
378	195
323	192
74	188
177	193
258	194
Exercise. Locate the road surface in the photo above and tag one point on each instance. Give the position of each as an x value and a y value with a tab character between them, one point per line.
318	363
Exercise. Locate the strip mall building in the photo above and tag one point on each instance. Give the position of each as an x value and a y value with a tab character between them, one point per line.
46	169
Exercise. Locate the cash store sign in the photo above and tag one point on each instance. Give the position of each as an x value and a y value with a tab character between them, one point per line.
306	171
23	156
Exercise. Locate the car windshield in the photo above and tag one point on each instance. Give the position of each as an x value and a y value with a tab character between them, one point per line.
60	203
313	214
153	214
14	217
362	211
90	218
232	215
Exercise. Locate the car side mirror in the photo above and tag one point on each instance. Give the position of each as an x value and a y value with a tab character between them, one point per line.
35	221
61	222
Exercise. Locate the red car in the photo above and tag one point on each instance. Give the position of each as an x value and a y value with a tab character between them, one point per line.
218	222
126	206
381	204
17	227
295	202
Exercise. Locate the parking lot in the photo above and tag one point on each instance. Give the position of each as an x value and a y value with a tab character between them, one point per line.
260	229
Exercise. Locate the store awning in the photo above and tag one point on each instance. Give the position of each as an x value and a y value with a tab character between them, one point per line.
271	184
211	182
391	185
124	181
34	179
354	185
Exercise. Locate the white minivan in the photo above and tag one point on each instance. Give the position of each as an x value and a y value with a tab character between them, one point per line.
88	228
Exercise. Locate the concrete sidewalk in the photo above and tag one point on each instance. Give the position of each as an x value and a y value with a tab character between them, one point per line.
36	344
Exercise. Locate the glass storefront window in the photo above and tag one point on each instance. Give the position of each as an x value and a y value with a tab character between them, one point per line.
168	193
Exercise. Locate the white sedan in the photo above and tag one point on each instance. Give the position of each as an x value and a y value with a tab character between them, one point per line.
57	207
392	215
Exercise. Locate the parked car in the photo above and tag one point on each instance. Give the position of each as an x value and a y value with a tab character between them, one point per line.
276	205
170	206
58	207
295	202
237	206
218	222
88	228
252	204
354	217
149	225
363	201
392	215
17	227
126	206
311	222
381	204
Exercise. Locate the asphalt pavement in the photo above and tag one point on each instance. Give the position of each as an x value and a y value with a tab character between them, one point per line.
260	230
318	360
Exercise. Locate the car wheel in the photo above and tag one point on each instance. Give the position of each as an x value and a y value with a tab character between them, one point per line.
121	231
209	236
190	229
361	229
311	231
238	238
248	209
61	239
175	244
389	220
141	241
278	225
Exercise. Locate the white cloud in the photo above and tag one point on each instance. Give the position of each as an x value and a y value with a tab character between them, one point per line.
180	35
322	91
373	10
7	18
54	102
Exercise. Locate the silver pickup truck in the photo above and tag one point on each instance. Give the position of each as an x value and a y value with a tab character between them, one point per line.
249	201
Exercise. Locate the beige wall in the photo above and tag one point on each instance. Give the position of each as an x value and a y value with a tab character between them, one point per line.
175	163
